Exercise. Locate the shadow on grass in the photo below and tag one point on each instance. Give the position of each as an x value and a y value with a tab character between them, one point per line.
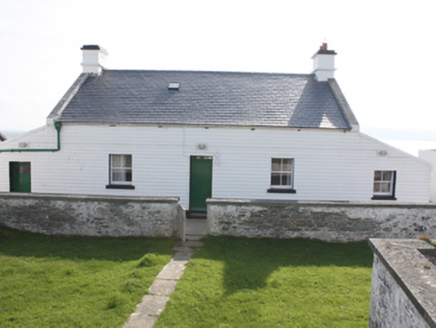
25	244
249	262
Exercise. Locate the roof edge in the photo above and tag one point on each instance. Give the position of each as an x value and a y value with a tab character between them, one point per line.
386	145
65	100
343	104
205	125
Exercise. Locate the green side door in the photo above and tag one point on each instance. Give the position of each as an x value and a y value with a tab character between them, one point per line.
19	176
200	186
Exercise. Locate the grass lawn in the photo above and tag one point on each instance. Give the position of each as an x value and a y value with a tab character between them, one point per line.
236	282
49	281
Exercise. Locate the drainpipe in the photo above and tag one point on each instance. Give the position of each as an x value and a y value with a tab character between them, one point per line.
57	126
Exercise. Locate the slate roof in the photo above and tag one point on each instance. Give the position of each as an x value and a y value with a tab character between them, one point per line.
204	98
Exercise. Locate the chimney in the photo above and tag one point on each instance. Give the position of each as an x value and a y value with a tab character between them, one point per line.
93	59
324	63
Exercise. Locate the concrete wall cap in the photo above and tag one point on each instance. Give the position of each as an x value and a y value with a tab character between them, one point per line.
90	197
260	202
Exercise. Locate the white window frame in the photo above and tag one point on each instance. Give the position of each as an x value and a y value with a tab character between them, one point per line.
282	172
123	168
382	181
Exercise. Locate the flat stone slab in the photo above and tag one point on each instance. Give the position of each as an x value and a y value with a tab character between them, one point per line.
152	305
182	249
196	226
137	320
193	237
182	256
190	243
163	287
172	270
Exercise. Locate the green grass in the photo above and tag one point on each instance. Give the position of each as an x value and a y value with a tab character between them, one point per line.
50	281
236	282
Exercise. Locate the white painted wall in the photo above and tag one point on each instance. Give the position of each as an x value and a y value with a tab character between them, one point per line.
329	164
41	138
94	60
324	66
430	156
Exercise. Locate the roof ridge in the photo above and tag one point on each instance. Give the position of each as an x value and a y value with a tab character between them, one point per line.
200	71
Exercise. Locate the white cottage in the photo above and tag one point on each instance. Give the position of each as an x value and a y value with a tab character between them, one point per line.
197	135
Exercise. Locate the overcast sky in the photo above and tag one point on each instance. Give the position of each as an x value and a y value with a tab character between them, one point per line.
385	64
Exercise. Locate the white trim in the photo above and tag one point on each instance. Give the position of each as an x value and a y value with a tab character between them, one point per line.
381	182
124	169
289	173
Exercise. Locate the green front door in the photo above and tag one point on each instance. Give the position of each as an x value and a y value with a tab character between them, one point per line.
19	176
200	187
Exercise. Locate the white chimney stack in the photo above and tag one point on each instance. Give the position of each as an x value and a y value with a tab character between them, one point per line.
94	59
324	63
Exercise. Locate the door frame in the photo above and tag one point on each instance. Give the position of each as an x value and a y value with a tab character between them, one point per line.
16	176
207	183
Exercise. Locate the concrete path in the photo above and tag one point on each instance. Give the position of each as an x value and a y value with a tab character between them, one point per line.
195	229
165	283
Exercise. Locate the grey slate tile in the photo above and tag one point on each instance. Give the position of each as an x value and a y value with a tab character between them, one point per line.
213	98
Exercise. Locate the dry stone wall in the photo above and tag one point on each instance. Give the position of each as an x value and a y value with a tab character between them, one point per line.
390	306
403	285
91	215
329	221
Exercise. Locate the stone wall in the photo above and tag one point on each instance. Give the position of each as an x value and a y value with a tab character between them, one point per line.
403	286
181	223
91	215
329	221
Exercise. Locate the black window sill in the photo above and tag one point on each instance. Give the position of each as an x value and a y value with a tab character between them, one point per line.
282	190
383	198
120	187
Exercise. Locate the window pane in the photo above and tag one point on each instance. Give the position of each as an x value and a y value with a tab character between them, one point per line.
385	187
275	179
387	176
128	176
121	175
116	160
383	182
117	175
286	180
287	165
275	164
24	169
376	187
127	161
377	175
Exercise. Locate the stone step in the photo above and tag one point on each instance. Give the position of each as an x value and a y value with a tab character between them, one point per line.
190	243
193	237
182	256
183	249
196	215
